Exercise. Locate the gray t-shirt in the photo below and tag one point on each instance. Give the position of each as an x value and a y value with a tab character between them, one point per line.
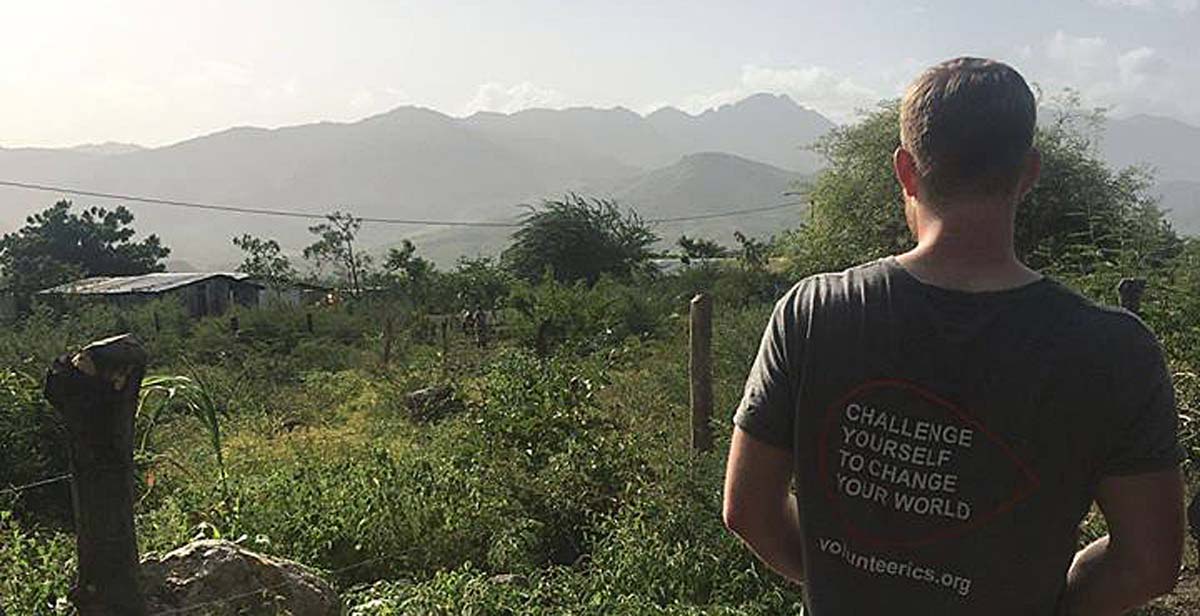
947	444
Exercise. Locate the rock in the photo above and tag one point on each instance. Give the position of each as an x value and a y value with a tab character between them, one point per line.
432	403
219	578
514	579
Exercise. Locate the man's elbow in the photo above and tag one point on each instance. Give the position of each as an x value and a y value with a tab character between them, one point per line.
1158	570
1161	572
732	516
737	517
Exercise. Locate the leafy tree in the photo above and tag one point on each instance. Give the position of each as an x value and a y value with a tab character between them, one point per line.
1080	216
409	274
579	239
753	253
57	245
264	259
336	247
699	248
855	211
480	282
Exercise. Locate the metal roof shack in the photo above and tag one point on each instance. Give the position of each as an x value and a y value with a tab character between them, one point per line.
203	293
292	293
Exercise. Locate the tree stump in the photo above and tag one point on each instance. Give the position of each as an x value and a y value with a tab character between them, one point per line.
96	392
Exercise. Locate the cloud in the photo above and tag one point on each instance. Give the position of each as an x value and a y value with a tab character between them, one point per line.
215	74
1080	52
835	96
507	99
377	99
1136	66
1182	6
1139	79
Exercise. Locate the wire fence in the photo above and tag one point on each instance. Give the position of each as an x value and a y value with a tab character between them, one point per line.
16	490
56	479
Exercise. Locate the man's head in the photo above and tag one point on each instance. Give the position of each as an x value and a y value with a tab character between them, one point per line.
966	134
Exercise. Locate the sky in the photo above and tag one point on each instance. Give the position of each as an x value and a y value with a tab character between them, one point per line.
153	73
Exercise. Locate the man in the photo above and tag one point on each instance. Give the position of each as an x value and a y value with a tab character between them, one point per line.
923	434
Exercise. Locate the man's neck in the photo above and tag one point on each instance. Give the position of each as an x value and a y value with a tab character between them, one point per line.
969	251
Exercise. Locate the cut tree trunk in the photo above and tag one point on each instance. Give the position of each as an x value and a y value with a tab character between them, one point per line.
96	392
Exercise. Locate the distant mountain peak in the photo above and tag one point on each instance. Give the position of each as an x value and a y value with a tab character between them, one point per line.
108	148
720	158
668	112
406	112
765	102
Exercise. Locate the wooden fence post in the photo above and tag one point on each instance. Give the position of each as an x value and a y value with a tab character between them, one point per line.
96	392
700	371
388	332
233	325
1129	293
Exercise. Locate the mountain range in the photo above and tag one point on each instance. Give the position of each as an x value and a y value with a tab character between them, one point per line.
417	163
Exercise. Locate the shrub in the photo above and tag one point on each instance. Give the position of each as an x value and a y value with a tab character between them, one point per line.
584	318
36	568
31	449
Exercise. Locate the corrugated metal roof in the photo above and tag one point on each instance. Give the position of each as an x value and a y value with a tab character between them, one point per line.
146	283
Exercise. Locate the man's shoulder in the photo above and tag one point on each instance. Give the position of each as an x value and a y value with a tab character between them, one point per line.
852	277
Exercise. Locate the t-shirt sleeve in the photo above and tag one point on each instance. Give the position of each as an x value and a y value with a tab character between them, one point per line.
768	406
1145	420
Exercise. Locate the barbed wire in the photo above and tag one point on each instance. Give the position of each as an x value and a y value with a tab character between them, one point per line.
36	484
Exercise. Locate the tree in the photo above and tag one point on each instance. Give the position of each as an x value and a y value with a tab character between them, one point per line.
336	247
56	246
409	274
579	239
264	259
753	253
1080	216
699	248
480	283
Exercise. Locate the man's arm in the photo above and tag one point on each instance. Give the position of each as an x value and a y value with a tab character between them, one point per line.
1139	559
759	505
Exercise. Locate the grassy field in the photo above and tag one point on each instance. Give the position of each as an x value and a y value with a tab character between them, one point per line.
559	484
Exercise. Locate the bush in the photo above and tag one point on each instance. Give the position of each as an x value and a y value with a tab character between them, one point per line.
36	568
582	318
32	448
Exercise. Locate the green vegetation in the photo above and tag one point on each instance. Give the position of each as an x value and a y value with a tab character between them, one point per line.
56	246
264	259
579	239
553	473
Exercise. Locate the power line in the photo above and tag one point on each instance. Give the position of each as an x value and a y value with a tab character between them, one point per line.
245	210
753	210
235	209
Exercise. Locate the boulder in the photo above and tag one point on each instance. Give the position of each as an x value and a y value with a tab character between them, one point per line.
219	578
432	403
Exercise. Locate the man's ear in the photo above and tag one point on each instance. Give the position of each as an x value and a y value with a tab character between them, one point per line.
906	172
1030	172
